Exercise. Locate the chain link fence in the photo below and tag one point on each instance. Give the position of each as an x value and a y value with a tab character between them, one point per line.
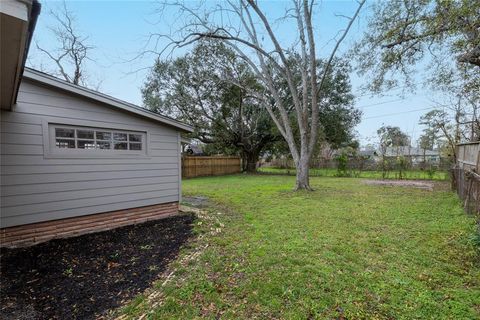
388	167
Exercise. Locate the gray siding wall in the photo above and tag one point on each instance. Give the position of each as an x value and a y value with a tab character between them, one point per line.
38	186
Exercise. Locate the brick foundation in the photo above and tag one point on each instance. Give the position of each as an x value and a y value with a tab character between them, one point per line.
29	234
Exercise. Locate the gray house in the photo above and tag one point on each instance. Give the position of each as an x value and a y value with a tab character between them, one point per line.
414	155
74	160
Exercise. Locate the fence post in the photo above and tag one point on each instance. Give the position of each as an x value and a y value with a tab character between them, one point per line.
467	180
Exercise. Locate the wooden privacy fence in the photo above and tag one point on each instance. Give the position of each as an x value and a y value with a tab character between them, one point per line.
210	166
466	176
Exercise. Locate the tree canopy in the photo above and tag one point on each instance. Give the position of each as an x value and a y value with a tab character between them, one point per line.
405	35
337	114
392	137
207	88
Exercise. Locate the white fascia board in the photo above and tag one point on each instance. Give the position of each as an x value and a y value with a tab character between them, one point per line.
16	8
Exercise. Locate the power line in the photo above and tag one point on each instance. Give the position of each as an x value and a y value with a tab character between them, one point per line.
380	103
388	90
373	94
397	113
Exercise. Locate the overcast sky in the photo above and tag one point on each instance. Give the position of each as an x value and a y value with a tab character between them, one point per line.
119	31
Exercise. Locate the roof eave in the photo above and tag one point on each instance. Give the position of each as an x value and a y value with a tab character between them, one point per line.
49	80
18	19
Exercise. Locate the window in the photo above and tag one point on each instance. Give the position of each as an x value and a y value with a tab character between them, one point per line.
97	139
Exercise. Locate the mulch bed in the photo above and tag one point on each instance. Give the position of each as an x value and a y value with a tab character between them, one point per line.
86	276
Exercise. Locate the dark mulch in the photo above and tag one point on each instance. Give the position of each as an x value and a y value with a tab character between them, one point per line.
85	276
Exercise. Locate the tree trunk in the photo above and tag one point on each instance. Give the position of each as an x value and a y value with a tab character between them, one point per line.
424	158
303	180
250	159
271	60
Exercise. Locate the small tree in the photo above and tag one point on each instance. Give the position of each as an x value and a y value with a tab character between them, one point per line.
342	164
402	165
426	142
455	122
390	137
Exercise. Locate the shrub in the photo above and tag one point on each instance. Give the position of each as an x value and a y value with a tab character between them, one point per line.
401	166
342	165
431	172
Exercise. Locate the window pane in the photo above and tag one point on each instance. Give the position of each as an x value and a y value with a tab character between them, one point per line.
103	135
85	134
120	146
135	146
97	138
85	144
103	145
64	143
64	133
119	136
135	137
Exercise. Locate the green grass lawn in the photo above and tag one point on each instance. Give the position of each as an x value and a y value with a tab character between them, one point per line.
331	172
344	251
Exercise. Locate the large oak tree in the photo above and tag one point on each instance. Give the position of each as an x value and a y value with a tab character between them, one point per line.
210	88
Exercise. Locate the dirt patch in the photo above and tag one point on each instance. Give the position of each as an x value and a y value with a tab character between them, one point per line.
85	276
197	202
426	185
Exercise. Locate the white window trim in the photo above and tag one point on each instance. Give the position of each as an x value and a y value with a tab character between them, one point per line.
51	151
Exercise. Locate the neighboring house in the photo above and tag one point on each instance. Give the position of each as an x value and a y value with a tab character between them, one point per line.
368	154
415	155
74	160
194	150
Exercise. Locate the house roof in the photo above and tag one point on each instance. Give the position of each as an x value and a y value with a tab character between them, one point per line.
18	19
51	81
196	149
409	151
369	152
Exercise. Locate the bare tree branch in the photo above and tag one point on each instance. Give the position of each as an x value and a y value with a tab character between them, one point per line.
73	51
244	27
